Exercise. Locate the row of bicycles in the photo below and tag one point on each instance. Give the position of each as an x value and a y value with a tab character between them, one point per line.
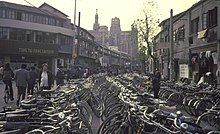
126	108
124	104
62	110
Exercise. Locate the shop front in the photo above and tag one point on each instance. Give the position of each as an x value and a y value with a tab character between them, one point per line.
203	60
31	54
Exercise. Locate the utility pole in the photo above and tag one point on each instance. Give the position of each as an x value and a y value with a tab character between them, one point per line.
171	45
74	47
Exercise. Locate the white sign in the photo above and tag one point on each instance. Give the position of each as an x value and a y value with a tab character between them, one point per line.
184	71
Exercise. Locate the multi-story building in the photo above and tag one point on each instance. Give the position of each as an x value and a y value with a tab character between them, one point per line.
34	35
195	41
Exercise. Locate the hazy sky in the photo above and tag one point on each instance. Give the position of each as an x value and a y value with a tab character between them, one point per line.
126	10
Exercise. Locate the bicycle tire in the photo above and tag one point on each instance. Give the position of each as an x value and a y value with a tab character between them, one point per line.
174	99
6	97
185	103
191	105
202	106
107	121
208	118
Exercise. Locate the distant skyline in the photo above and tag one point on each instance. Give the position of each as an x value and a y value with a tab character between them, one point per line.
126	10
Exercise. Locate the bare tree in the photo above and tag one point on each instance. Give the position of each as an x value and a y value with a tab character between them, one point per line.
147	26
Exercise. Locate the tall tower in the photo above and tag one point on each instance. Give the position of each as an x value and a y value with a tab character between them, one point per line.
96	24
115	31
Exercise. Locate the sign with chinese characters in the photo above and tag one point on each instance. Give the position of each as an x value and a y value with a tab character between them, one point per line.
35	51
184	71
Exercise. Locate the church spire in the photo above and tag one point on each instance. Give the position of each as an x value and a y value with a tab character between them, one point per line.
96	24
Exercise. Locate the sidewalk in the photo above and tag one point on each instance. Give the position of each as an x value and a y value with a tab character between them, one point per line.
10	103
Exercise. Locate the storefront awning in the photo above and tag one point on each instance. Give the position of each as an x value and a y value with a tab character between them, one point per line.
202	34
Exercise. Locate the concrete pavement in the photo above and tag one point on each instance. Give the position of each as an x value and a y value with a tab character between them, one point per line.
10	103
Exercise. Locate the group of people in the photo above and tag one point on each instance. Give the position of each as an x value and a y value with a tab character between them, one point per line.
25	80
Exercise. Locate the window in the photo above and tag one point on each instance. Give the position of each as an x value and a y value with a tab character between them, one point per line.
1	13
18	15
175	37
17	34
212	17
32	18
3	33
26	17
194	26
204	20
181	33
167	38
39	37
46	19
29	36
11	14
38	19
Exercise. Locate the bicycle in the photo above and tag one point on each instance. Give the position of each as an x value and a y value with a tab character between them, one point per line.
6	95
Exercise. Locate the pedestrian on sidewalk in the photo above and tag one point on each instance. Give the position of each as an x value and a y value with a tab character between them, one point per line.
8	75
1	72
33	76
21	78
45	78
60	76
156	83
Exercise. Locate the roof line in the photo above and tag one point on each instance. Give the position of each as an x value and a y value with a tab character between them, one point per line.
53	8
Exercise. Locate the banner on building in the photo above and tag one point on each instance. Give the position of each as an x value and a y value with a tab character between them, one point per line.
184	70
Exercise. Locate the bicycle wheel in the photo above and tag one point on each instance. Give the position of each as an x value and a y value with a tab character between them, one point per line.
174	99
185	103
191	105
209	121
110	121
6	97
202	106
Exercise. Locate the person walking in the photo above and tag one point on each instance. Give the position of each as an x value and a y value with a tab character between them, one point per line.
45	78
7	77
156	83
1	72
60	76
33	76
21	79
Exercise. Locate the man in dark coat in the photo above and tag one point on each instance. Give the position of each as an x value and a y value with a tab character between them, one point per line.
33	76
21	78
60	76
7	77
156	83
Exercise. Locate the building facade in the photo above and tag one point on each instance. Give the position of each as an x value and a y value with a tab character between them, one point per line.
33	35
195	39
